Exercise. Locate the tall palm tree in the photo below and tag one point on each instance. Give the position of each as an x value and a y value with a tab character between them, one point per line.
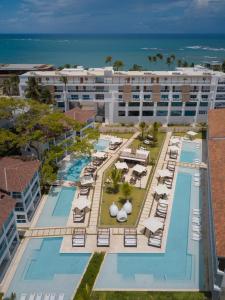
136	67
142	127
173	57
6	87
115	177
33	90
159	55
185	64
64	80
179	63
169	61
108	59
150	58
118	65
14	85
154	58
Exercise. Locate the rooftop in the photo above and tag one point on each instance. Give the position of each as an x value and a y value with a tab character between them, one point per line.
7	205
81	115
216	120
24	67
15	173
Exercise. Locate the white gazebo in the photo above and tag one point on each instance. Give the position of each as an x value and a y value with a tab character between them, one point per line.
116	140
161	189
153	224
99	155
82	202
121	216
128	207
113	210
121	166
139	169
164	173
191	133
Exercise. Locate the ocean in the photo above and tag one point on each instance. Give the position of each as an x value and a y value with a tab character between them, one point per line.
91	50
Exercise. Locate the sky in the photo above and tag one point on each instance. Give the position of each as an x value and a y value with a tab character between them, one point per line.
112	16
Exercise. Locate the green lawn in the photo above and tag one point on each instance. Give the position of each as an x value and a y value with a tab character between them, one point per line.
149	296
137	197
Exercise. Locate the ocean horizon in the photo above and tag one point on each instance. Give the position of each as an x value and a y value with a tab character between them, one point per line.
90	50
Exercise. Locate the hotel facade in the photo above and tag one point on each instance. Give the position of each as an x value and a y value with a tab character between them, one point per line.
170	97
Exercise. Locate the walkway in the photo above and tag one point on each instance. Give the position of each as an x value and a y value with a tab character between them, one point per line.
49	231
93	222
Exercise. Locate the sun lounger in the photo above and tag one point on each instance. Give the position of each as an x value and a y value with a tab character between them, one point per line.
31	296
23	296
130	237
61	297
52	297
47	297
39	296
103	237
79	237
154	242
163	201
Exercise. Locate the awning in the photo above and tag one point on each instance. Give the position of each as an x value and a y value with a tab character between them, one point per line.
139	169
99	155
174	149
82	202
161	189
87	180
191	133
153	224
164	173
121	166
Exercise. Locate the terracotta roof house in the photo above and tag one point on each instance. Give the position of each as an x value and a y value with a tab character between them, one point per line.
216	168
20	179
9	238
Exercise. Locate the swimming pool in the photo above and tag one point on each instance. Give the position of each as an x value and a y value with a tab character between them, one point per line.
43	269
177	268
190	152
57	207
101	145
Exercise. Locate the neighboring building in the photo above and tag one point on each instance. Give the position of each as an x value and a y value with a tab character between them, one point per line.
9	238
181	96
216	167
20	179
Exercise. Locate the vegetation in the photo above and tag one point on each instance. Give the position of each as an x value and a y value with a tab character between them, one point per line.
11	297
108	59
126	190
142	127
131	295
118	65
88	280
136	67
11	86
115	177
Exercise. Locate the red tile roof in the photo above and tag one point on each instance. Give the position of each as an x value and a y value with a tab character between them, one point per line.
217	174
81	115
7	205
216	121
15	173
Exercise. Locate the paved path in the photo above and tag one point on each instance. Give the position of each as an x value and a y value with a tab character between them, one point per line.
93	222
49	231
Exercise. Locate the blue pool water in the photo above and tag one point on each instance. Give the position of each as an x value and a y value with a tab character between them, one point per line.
71	171
190	152
101	145
177	268
43	269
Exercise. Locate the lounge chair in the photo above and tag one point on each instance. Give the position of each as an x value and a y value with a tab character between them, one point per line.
103	237
130	237
23	296
32	296
196	236
84	191
79	237
39	296
78	216
61	297
52	297
155	242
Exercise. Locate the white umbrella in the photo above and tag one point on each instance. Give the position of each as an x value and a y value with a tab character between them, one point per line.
174	141
82	202
153	224
174	149
161	189
121	166
191	133
99	154
139	169
164	173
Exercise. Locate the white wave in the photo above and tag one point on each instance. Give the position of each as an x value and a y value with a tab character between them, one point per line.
194	47
146	48
212	57
181	49
206	48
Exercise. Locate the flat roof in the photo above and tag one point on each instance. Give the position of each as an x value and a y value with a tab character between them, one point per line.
216	121
23	67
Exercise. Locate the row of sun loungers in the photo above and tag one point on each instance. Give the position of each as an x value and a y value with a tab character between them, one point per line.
103	237
197	179
196	225
41	296
162	208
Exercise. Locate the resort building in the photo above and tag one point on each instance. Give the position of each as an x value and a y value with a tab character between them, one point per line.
9	238
216	164
20	179
169	97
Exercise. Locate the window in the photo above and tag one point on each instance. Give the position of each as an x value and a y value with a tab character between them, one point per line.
203	103
86	97
202	112
193	96
162	104
61	104
57	96
205	96
147	97
99	96
121	113
148	104
176	113
164	97
99	79
120	96
74	97
176	96
191	104
136	97
122	104
21	219
176	104
134	104
189	113
162	113
16	195
134	113
147	113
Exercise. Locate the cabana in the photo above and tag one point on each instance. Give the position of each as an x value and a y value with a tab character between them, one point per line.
87	180
164	173
191	134
174	141
116	140
121	216
139	156
121	166
82	202
103	237
99	155
153	224
139	169
79	211
79	237
161	189
173	152
130	237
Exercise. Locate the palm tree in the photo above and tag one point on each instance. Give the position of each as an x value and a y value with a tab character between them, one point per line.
64	80
154	58
179	63
136	67
126	189
115	177
118	64
155	131
46	96
14	82
142	127
223	66
33	90
6	87
108	59
150	58
173	57
159	55
168	61
192	65
185	64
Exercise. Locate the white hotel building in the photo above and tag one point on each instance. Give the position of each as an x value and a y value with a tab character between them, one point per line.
169	97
